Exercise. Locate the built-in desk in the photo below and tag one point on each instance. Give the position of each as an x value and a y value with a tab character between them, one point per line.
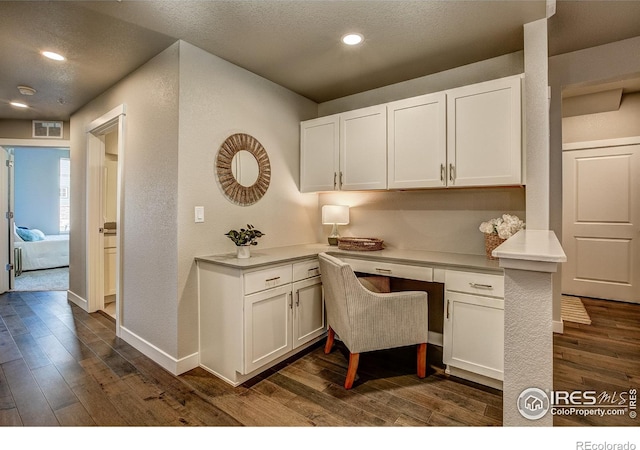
258	311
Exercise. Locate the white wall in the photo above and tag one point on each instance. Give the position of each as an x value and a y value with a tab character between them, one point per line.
436	219
180	107
218	99
150	180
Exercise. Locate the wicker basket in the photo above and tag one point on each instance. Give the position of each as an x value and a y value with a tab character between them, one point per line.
366	244
491	241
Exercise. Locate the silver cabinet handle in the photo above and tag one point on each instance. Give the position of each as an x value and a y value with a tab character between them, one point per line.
290	294
271	279
335	176
388	271
340	180
448	308
298	298
442	173
480	286
452	172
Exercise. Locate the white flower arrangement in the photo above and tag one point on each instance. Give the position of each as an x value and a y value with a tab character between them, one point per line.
505	226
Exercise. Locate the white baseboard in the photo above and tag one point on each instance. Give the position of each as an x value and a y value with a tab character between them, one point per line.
168	362
76	299
558	326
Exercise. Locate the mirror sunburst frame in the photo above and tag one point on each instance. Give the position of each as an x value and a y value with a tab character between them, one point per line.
232	189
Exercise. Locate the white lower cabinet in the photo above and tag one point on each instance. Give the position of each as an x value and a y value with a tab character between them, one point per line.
473	341
252	319
109	265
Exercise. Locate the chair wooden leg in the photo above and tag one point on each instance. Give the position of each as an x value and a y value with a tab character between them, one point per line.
354	358
422	360
330	335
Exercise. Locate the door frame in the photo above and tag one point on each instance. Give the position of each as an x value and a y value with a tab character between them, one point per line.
9	144
95	132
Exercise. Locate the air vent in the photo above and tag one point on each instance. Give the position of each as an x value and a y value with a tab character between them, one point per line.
47	129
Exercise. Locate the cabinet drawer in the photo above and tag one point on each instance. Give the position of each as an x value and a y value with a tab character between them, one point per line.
475	283
266	278
306	269
390	269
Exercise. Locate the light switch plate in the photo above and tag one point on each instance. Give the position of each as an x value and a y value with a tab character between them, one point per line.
199	214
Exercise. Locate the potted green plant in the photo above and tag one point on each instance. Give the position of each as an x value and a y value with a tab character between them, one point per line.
244	238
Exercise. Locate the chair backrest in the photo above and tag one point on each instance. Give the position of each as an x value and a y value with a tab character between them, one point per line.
336	276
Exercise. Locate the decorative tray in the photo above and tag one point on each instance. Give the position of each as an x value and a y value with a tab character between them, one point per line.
365	244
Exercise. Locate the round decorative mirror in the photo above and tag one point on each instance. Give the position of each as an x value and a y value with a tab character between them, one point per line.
243	169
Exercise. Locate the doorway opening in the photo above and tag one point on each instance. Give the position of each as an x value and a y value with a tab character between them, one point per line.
601	190
104	204
41	225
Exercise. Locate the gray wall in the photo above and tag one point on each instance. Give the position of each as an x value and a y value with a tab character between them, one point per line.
150	188
625	122
179	109
37	187
431	219
23	129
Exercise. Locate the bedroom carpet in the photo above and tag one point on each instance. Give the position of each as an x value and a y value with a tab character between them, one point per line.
43	280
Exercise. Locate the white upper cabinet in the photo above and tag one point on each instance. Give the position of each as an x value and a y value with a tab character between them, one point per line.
319	154
417	142
363	149
468	136
484	137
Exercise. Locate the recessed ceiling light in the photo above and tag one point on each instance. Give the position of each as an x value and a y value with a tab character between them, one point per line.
352	38
26	90
54	56
18	105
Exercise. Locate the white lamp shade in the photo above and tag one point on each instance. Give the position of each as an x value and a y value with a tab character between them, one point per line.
335	214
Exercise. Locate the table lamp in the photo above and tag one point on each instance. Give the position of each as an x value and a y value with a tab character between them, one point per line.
335	215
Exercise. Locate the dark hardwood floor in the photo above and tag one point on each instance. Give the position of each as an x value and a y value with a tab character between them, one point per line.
601	357
62	366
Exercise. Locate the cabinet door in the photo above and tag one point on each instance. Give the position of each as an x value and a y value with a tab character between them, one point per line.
109	271
267	326
416	141
363	149
484	139
474	334
319	154
308	311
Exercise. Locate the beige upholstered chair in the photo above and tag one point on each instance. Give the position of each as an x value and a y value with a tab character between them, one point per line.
367	321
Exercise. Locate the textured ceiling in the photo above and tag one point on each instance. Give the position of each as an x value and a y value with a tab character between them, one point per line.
293	43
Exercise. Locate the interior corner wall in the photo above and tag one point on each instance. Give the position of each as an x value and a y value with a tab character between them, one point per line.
148	222
621	123
218	99
489	69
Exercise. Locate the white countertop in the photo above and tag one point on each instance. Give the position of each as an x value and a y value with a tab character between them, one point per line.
263	257
532	245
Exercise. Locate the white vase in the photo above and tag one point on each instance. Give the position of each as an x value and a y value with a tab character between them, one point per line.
243	251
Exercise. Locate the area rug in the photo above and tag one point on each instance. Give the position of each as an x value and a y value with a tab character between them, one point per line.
572	310
43	280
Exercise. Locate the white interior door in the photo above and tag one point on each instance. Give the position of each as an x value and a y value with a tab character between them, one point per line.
601	222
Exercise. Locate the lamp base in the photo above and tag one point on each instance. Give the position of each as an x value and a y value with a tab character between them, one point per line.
333	240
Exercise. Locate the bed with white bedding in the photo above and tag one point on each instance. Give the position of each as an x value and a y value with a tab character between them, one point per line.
49	252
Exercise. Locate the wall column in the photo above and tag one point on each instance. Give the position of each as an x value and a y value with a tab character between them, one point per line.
529	259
